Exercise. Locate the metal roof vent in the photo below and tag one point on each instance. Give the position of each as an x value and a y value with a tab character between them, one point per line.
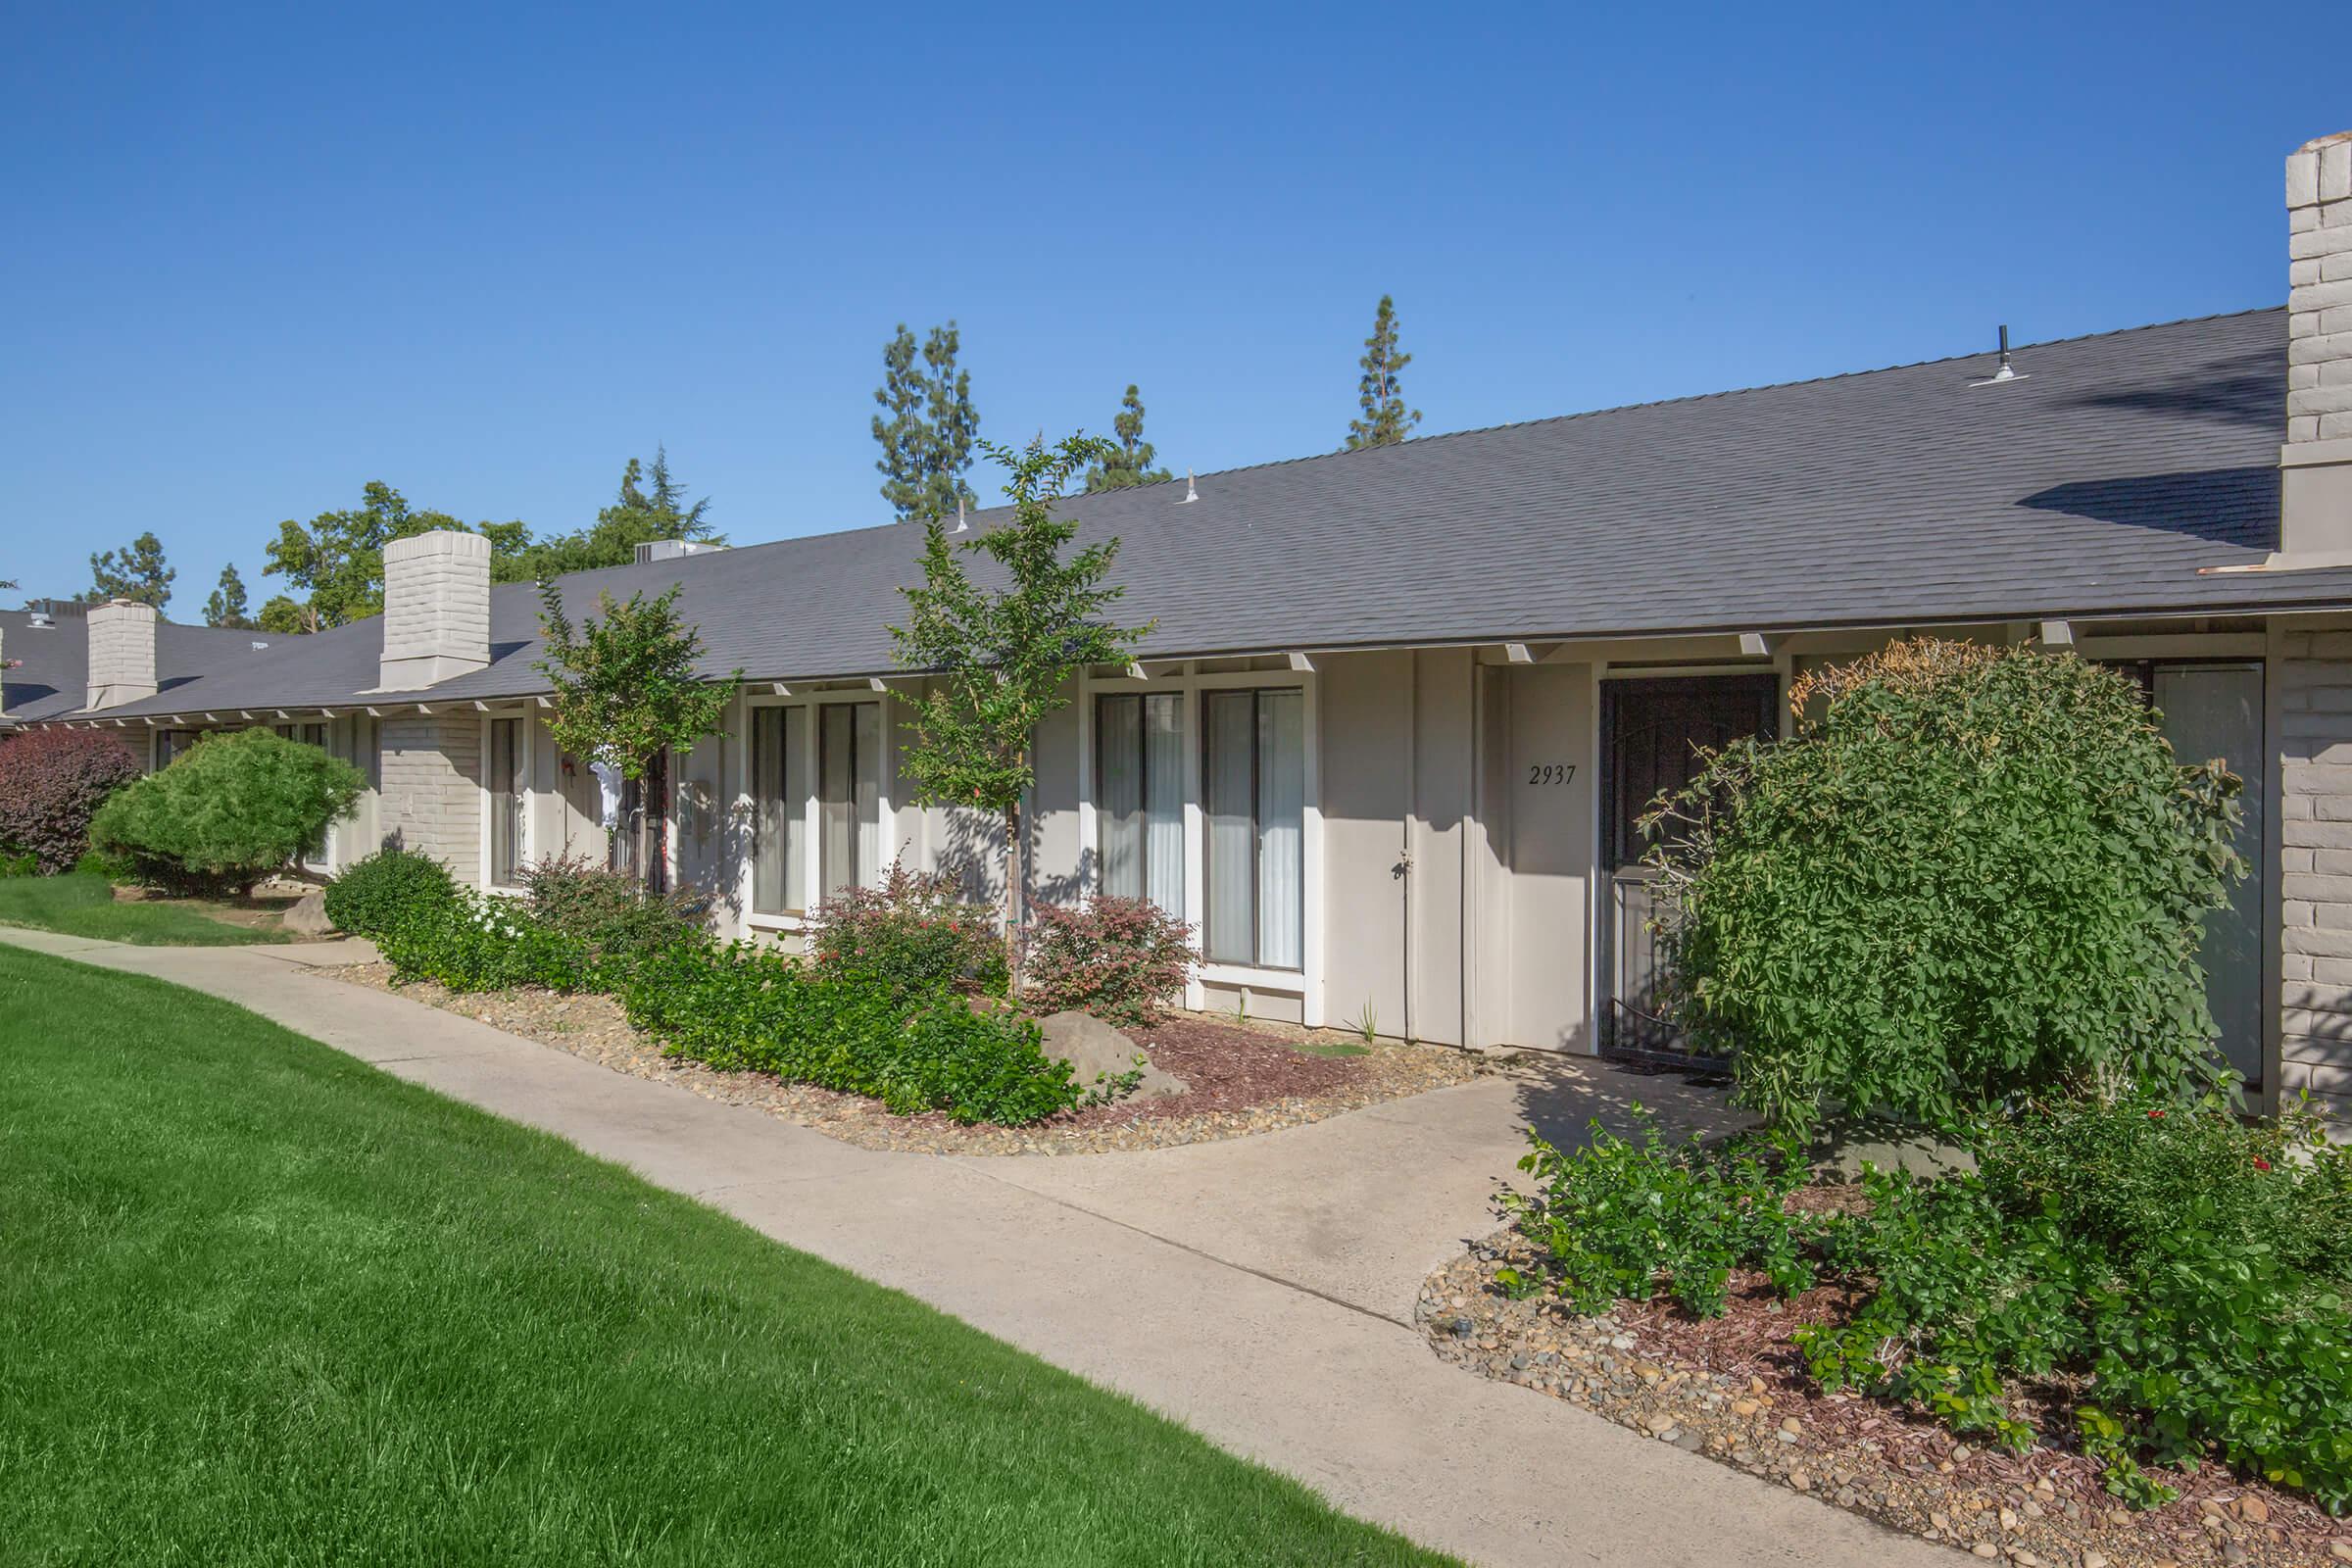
257	646
39	619
1192	490
2007	372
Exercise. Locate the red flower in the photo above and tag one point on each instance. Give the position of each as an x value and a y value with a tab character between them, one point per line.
2155	1116
2260	1163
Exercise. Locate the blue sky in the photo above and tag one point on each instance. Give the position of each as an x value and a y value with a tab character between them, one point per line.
257	258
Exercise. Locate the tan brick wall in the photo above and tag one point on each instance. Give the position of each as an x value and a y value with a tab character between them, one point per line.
431	800
2314	681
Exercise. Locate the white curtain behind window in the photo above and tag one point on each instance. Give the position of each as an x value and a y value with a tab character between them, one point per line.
837	844
1119	809
1228	719
1281	816
778	818
1163	802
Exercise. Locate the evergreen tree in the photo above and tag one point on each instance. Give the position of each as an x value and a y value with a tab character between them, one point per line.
1129	463
135	571
1386	419
927	440
226	606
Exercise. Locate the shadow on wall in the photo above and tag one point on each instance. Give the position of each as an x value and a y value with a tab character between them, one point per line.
975	854
2221	506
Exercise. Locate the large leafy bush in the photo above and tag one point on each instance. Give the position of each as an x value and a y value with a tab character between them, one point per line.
1970	872
374	893
913	934
2149	1275
228	812
1118	958
609	911
52	782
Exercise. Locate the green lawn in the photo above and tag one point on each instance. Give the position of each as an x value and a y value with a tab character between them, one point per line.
82	905
266	1304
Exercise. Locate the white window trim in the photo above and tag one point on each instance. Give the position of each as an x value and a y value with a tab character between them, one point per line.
812	892
525	851
1304	982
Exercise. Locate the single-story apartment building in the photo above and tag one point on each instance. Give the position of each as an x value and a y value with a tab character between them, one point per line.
1399	707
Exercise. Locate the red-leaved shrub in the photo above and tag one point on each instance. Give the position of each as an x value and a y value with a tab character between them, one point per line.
51	782
1118	958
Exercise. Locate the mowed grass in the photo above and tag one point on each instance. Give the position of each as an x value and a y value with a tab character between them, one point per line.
266	1304
82	905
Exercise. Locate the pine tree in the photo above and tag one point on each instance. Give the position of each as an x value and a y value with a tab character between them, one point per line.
667	500
226	606
136	571
927	440
1130	461
1386	419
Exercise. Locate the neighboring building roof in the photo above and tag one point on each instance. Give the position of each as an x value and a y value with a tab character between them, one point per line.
53	660
2098	482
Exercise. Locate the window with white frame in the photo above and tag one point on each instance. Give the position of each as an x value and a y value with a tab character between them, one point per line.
1253	805
508	791
849	795
779	810
1139	797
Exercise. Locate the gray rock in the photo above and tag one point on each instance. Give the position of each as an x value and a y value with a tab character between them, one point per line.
1098	1053
307	915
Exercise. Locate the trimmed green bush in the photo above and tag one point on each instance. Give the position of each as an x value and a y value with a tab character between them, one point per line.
911	935
481	942
373	894
228	812
1971	873
741	1007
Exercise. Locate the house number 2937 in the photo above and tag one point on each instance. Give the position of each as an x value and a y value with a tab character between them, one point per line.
1550	773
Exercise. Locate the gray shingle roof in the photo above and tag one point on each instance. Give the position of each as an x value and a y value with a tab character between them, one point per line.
53	662
2097	483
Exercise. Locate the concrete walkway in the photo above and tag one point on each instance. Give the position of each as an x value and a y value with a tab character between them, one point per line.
1259	1291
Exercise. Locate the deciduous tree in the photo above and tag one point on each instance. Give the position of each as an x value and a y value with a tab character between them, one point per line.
336	560
1002	656
626	684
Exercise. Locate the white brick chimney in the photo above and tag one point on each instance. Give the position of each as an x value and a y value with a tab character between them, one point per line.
2315	464
122	653
437	609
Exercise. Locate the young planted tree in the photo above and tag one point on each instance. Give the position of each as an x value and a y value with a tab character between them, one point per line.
136	571
1130	460
1004	655
627	687
928	439
1386	419
226	605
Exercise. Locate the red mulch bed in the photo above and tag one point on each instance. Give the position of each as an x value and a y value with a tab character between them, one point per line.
1224	1068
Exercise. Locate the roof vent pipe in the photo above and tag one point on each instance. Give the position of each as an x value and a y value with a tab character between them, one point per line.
960	524
1191	491
2007	372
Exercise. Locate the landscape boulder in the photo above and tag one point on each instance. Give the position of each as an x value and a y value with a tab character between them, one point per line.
307	915
1096	1051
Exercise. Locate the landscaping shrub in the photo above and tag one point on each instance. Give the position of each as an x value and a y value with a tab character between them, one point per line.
1970	873
481	942
228	812
52	782
19	865
609	913
1118	958
2123	1174
2174	1307
911	935
742	1006
373	892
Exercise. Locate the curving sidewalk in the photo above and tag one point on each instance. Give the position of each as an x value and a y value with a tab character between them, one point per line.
1259	1291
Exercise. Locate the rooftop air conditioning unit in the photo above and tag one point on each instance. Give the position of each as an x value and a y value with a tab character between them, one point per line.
653	550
